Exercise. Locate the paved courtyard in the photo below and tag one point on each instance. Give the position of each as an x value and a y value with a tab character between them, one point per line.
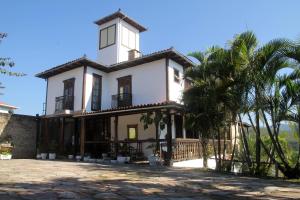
35	179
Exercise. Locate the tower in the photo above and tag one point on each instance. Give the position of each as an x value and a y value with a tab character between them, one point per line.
119	38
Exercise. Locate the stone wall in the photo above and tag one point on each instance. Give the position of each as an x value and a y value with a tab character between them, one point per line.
22	129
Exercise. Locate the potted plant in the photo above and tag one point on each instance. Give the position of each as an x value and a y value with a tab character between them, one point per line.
5	155
78	158
86	157
43	148
123	156
6	148
70	151
154	159
52	150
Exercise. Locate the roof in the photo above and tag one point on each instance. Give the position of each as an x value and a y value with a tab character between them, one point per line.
167	53
83	61
121	15
71	65
133	108
2	104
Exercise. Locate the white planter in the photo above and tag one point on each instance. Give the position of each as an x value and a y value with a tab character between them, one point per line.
127	159
114	161
38	156
104	155
99	160
86	158
52	156
44	156
5	157
70	157
153	160
121	159
78	158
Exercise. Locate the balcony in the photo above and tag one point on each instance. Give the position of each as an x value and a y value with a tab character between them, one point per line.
121	100
64	103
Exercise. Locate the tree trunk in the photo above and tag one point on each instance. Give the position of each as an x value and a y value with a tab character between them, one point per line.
257	146
219	150
233	150
204	154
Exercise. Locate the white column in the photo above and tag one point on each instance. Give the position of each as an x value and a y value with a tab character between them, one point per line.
173	126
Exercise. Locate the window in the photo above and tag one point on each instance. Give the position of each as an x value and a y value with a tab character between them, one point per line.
176	75
107	36
96	92
132	132
128	38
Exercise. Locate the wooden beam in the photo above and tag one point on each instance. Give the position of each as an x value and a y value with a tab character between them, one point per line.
82	136
46	138
116	133
61	139
168	159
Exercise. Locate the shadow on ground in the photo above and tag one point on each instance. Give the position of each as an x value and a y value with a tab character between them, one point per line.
94	181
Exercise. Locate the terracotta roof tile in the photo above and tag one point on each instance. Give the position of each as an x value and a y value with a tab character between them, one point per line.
130	108
170	53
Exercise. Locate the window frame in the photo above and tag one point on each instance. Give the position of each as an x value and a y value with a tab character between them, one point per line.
135	126
106	28
100	93
176	77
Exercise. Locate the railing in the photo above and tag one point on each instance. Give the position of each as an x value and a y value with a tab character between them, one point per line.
186	149
121	100
64	103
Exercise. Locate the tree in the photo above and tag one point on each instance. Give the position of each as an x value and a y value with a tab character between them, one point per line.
6	62
244	80
206	101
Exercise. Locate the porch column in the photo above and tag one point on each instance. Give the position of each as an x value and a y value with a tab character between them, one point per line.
183	127
116	139
168	158
173	126
46	137
61	139
82	136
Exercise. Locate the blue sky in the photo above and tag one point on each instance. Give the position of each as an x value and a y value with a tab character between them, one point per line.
43	34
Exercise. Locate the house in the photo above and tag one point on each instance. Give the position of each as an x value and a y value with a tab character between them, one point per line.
5	108
95	107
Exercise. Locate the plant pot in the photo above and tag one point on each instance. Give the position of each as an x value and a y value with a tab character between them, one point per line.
121	159
86	158
38	156
104	155
44	156
127	159
114	161
78	158
5	156
70	157
153	160
52	156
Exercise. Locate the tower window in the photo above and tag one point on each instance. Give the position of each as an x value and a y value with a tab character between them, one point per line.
128	38
107	36
176	76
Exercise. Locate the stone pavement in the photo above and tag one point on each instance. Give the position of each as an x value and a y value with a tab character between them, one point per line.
37	179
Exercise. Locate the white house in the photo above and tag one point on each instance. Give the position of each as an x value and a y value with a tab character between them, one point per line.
94	106
5	108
